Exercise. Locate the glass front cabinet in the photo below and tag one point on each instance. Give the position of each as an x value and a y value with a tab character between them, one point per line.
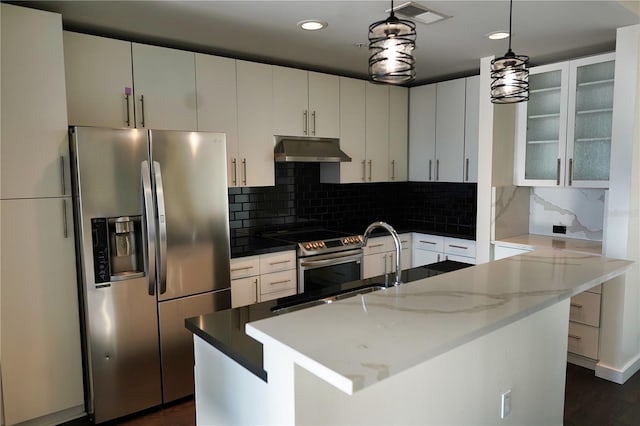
564	131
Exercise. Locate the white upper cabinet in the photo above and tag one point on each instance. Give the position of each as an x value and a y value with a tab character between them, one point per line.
443	131
165	88
471	128
564	131
352	135
217	105
398	133
450	106
305	103
377	132
255	124
35	149
99	81
422	133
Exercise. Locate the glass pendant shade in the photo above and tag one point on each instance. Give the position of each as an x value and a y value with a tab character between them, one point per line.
391	45
509	79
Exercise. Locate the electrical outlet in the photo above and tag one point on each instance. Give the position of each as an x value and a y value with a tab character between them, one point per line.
559	229
505	403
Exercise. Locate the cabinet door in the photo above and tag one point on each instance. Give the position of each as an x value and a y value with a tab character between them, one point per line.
450	106
422	133
541	128
377	132
217	104
377	264
99	81
244	291
35	149
589	121
290	102
324	105
165	88
426	257
398	133
471	128
41	356
255	124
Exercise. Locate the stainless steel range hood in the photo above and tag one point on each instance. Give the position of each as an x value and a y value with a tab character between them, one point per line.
315	150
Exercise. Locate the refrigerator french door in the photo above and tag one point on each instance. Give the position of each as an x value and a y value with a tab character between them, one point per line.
151	216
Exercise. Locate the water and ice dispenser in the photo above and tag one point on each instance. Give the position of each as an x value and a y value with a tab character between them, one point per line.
117	248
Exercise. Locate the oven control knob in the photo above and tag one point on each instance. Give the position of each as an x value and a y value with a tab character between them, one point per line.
307	246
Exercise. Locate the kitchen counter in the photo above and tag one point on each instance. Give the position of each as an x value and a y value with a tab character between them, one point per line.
454	340
249	246
533	242
225	330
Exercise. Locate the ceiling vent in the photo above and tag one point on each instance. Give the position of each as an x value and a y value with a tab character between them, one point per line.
419	13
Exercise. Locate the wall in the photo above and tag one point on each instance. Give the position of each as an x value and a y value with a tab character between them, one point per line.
298	198
580	210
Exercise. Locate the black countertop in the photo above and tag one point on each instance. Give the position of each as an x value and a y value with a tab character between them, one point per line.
225	330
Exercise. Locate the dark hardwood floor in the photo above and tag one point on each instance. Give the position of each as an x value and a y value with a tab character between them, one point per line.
589	400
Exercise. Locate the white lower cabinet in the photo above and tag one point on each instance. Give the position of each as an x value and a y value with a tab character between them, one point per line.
380	256
41	355
263	277
429	249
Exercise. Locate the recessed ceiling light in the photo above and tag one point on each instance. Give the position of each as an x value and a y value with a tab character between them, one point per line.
312	25
498	35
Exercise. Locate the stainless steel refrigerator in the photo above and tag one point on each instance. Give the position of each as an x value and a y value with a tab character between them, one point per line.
152	231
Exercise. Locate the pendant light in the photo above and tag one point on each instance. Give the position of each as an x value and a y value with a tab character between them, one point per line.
509	75
391	44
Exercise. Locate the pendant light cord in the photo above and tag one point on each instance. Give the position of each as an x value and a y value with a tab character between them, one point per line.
510	15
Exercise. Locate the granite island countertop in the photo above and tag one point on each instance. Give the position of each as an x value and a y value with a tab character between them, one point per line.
357	342
533	242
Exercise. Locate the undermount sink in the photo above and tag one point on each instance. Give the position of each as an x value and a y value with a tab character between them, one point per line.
326	300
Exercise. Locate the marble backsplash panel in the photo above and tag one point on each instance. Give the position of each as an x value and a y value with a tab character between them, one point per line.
580	210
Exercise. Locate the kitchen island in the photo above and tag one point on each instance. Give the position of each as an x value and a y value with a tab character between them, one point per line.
442	350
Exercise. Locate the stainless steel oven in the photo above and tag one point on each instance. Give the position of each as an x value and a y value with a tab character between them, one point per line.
325	258
324	270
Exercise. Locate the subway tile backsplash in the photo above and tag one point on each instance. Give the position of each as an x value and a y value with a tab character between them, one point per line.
299	199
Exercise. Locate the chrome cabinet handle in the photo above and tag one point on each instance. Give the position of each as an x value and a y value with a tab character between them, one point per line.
570	171
234	162
280	262
558	172
429	169
459	247
149	226
142	110
370	169
428	242
279	282
576	305
244	167
162	228
305	122
63	183
466	170
384	259
313	120
256	288
241	268
364	170
126	100
438	257
437	169
575	336
65	230
375	245
393	169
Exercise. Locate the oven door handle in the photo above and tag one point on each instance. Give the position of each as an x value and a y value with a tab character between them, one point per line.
333	261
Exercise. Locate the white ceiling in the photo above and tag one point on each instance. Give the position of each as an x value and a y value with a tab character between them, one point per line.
266	30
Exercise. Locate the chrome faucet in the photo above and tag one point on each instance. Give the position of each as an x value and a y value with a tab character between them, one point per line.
396	242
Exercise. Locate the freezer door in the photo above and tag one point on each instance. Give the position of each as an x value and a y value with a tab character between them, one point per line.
120	317
190	179
177	342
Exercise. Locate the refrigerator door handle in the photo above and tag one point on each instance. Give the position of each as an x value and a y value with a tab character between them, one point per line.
162	230
149	225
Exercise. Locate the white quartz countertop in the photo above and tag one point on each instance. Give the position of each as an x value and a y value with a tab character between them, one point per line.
357	342
533	242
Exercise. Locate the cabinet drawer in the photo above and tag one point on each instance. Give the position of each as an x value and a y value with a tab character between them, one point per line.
459	247
378	245
277	281
274	262
428	242
244	291
583	340
277	294
585	309
245	267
